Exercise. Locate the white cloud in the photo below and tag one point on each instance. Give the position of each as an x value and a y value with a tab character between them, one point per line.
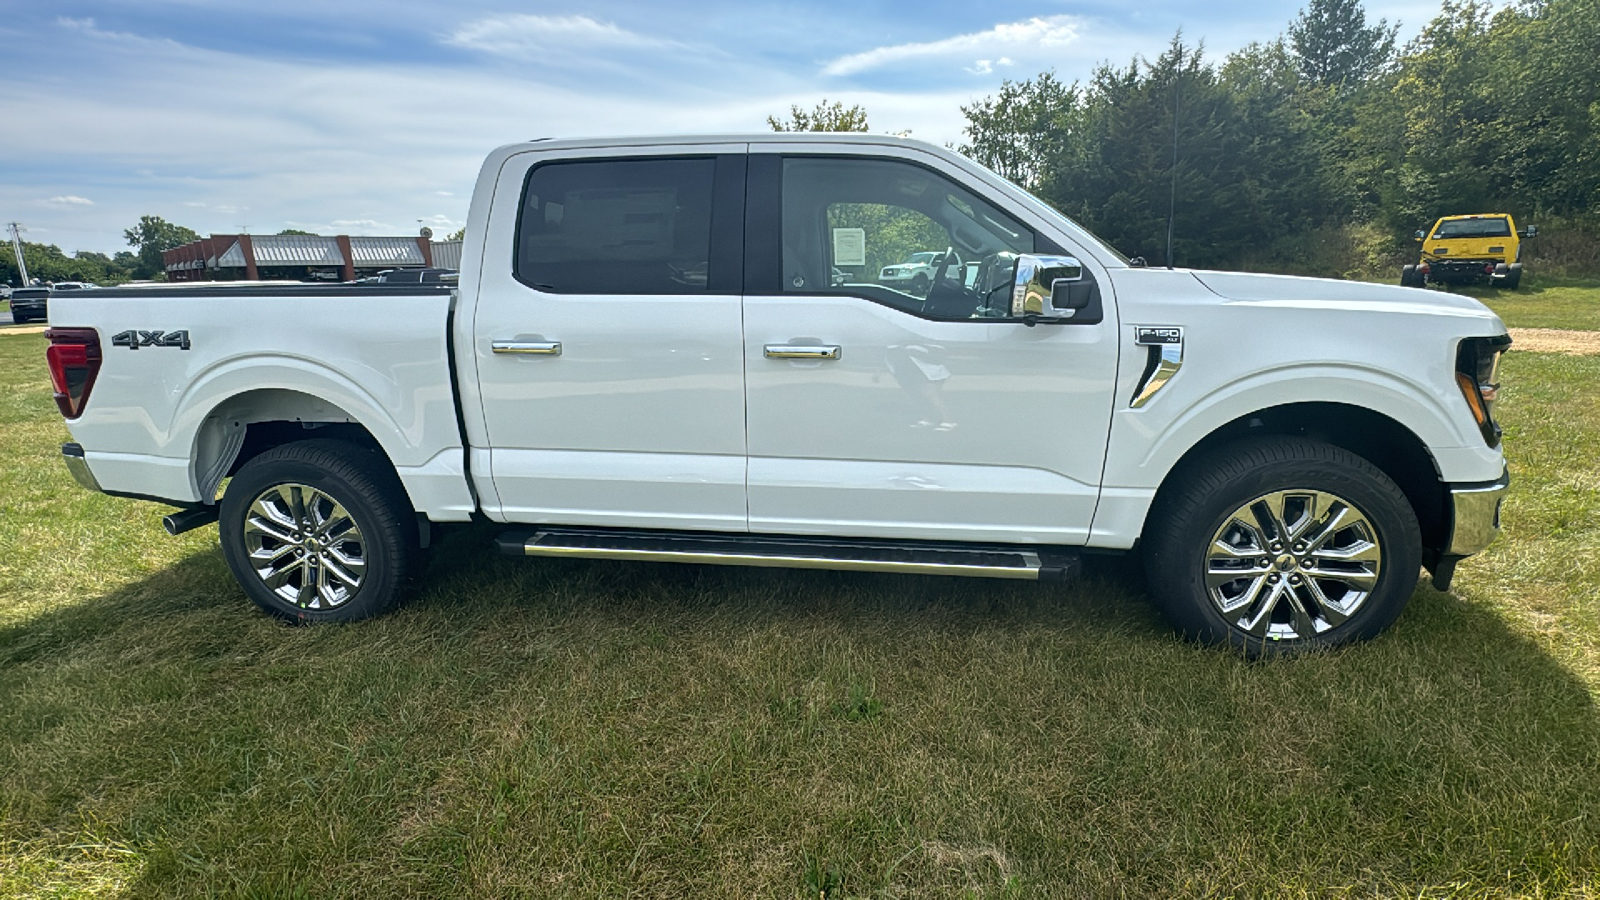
1029	39
523	35
986	66
68	200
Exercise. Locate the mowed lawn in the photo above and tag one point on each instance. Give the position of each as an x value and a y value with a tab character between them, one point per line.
578	729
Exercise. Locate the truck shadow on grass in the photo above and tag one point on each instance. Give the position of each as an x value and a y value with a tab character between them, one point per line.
581	728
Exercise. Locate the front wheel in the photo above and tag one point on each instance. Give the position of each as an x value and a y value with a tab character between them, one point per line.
318	531
1282	544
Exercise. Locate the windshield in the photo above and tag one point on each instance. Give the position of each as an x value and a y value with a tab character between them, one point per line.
1055	213
1473	228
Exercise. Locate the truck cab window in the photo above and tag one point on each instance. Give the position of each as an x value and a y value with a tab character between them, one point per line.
897	234
639	226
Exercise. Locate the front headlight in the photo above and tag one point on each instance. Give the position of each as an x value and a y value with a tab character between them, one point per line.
1477	375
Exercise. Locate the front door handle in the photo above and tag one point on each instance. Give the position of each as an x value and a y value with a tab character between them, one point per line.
532	348
802	351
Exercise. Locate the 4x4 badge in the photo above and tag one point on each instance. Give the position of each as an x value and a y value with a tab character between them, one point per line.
133	340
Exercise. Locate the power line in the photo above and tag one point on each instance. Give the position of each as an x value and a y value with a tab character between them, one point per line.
16	247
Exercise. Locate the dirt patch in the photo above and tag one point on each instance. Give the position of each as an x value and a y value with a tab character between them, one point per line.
1555	340
21	329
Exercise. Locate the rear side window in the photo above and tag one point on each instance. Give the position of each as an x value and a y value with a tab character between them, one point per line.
635	226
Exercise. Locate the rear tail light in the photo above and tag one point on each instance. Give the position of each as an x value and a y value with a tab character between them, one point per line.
74	358
1477	368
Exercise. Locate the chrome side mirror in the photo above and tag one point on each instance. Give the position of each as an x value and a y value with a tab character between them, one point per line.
1049	288
1420	235
1530	231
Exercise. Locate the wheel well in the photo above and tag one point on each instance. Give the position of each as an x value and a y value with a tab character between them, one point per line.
1378	439
249	424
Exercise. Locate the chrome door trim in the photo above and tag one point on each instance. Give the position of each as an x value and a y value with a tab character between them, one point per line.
531	348
801	351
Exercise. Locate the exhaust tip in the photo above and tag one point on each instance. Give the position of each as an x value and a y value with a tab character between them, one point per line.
189	519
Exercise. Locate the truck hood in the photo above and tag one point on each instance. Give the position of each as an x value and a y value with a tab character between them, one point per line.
1327	293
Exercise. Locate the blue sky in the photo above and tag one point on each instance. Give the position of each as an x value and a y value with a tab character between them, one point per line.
372	118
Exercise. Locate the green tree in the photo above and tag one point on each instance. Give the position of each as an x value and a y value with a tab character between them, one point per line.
48	263
1336	47
152	235
825	117
1026	130
298	231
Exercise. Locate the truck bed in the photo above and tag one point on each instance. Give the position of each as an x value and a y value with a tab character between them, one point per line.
180	358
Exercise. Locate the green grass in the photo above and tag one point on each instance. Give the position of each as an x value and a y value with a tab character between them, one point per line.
582	729
1546	303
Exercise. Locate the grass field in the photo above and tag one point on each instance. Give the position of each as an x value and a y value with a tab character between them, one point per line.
582	729
1547	303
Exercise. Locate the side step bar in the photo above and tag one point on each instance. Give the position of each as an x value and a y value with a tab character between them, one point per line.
783	551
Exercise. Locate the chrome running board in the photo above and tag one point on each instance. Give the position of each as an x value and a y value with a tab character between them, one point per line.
790	552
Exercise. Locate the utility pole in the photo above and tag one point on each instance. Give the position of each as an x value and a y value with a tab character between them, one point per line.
16	247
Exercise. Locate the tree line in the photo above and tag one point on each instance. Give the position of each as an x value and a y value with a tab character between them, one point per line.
1323	149
47	262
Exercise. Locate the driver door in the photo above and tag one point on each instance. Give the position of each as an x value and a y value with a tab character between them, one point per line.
877	411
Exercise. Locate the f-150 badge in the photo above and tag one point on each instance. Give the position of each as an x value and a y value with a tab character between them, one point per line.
133	340
1154	336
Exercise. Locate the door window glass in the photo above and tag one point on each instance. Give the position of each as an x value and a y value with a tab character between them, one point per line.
898	234
637	226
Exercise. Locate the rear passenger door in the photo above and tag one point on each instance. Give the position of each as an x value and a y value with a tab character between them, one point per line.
608	340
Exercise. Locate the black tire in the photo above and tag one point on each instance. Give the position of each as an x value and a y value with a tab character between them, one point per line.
324	478
1409	277
919	285
1513	277
1194	521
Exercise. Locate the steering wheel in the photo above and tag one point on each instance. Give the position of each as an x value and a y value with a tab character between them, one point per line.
942	267
948	298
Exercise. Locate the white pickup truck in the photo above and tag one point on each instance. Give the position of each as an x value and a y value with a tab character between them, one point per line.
647	358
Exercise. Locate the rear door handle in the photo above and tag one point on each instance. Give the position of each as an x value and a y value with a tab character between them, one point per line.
802	351
532	348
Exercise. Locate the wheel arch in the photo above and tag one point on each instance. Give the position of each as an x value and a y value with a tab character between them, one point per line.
247	424
1379	439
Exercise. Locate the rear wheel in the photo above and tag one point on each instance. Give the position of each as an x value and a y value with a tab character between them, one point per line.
1513	276
318	531
1409	277
1282	544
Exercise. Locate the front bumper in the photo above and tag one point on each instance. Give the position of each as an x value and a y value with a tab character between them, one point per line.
1474	524
72	455
1476	509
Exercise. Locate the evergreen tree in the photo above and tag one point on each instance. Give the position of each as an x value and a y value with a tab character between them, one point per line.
1335	46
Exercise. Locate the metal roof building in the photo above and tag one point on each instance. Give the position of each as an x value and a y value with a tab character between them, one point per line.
230	257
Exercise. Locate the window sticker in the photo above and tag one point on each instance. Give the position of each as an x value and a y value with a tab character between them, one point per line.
849	246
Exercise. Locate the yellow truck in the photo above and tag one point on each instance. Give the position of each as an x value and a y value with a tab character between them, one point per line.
1468	250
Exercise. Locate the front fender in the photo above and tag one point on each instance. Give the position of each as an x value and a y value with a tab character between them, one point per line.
1147	442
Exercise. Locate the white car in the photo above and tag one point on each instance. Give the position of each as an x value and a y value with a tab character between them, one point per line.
1285	453
915	274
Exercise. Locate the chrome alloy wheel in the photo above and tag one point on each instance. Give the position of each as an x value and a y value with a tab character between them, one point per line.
1292	564
304	546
